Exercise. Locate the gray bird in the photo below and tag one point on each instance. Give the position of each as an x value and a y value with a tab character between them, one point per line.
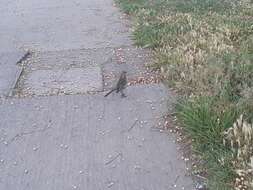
121	85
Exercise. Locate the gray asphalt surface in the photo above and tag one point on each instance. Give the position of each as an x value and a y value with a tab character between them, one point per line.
57	131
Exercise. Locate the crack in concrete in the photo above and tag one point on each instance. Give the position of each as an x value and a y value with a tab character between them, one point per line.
14	89
114	158
25	57
22	134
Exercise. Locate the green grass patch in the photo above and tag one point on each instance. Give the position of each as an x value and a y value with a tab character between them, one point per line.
204	48
205	126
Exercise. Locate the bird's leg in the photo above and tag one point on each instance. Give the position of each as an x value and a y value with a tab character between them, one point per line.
122	94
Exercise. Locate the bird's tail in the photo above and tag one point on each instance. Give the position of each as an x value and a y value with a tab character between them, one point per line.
110	92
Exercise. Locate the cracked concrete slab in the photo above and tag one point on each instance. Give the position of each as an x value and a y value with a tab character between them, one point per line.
111	60
70	58
63	81
90	142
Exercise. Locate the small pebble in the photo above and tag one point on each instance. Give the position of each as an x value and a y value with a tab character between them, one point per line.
2	161
200	186
110	184
74	187
26	171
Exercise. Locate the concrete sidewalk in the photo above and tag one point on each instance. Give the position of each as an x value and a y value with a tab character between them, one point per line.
57	130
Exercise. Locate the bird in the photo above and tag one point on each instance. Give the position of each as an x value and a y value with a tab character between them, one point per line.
121	85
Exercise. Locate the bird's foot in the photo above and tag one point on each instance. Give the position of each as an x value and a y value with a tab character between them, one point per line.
123	96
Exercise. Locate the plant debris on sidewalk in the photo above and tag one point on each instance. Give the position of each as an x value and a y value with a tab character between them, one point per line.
204	49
